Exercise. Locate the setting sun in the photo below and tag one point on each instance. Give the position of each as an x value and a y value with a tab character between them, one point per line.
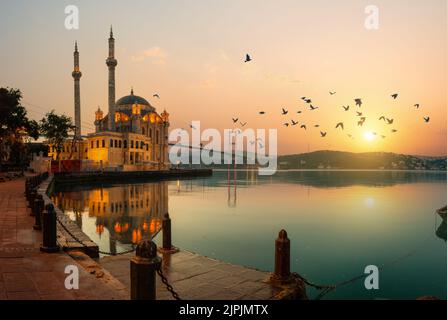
369	136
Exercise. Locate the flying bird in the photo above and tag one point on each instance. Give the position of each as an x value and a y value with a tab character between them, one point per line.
262	112
323	134
192	127
359	114
417	105
286	124
235	120
284	112
308	101
247	58
358	102
243	124
382	118
363	119
394	131
304	127
294	123
389	121
299	111
340	125
383	137
394	96
427	119
360	123
346	108
313	108
156	96
317	126
332	93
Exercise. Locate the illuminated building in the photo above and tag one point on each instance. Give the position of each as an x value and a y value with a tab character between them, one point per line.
131	137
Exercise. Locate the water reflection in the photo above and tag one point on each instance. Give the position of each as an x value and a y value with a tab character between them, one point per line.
126	213
338	222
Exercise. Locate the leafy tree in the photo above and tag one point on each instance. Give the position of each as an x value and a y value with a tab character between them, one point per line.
56	128
15	126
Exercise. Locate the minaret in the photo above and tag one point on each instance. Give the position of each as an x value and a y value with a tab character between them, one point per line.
111	63
77	92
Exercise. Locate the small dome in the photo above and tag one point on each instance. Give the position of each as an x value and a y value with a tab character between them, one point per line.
132	99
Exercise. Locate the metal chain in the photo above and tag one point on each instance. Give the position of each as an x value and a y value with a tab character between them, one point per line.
164	280
168	286
325	289
89	248
311	284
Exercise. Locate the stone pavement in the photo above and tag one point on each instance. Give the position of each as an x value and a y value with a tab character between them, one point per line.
26	273
195	277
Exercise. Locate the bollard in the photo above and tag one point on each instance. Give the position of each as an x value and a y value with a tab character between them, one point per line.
167	236
143	268
282	258
32	197
49	230
39	204
28	189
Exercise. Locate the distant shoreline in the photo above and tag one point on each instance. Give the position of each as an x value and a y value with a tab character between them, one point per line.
339	170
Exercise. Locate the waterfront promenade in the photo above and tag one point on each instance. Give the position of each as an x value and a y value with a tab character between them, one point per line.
28	274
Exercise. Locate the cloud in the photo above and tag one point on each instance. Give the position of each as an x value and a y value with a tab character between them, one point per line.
156	55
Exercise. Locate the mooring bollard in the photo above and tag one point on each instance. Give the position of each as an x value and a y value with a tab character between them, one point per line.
167	246
143	268
32	197
27	188
39	204
282	258
49	230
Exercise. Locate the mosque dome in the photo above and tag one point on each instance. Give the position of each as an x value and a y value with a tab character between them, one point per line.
132	99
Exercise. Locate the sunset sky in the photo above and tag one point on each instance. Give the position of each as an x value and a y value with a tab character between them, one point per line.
192	52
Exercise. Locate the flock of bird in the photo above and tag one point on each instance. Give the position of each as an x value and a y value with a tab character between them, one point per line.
360	120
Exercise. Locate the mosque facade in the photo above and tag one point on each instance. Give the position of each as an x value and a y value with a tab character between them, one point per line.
132	136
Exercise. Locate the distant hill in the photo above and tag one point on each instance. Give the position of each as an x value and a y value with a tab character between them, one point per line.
349	160
369	160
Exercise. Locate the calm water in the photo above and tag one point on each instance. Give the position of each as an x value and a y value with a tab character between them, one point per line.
338	223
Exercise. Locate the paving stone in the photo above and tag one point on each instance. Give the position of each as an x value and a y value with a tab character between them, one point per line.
18	282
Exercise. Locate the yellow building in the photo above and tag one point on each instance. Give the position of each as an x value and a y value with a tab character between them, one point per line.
131	137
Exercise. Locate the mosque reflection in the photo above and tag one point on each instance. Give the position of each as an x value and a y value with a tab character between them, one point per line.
129	213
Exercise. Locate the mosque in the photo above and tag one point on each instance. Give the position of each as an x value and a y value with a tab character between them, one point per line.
132	136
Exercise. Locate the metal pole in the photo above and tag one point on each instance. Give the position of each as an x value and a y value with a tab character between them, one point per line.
49	230
282	257
167	236
39	204
143	268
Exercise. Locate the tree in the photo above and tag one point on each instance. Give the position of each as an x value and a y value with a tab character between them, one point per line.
56	128
15	126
